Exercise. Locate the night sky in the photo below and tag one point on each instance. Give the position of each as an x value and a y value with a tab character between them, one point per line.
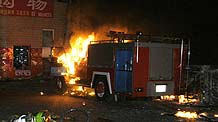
194	19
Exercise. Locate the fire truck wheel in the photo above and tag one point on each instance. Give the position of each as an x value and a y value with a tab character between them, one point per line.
101	90
60	84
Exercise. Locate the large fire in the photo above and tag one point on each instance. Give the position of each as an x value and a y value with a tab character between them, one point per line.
72	58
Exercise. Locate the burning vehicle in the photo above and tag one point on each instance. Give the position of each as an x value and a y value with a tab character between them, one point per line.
137	65
74	62
133	65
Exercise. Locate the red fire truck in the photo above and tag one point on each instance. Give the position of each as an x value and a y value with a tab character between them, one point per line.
136	65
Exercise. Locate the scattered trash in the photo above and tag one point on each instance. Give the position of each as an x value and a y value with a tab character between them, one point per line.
41	116
73	114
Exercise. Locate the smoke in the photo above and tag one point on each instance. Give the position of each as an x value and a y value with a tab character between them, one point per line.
101	32
100	17
81	15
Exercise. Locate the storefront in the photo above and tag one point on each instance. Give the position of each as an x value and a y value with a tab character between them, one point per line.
29	29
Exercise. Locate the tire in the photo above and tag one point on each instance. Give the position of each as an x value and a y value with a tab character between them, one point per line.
101	90
60	85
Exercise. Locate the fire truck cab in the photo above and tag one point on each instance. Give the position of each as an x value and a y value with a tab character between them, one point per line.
136	65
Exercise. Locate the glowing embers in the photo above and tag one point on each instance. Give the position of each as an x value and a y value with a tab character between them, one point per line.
77	90
195	116
188	99
168	97
189	115
181	99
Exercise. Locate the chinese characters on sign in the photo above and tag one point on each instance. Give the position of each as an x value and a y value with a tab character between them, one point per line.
37	4
34	8
7	3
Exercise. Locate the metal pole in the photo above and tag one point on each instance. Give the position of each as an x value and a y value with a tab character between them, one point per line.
181	61
137	51
189	53
210	88
187	68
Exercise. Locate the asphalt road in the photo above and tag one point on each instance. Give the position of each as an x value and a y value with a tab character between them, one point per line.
119	112
23	97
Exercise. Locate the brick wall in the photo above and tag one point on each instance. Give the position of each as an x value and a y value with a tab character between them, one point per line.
27	31
22	30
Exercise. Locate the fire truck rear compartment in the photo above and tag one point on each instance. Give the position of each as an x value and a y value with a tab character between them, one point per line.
138	68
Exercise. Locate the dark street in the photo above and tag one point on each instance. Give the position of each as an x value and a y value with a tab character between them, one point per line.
115	60
21	100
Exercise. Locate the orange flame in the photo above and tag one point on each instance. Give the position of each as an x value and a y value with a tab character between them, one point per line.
168	97
82	91
183	99
184	114
75	56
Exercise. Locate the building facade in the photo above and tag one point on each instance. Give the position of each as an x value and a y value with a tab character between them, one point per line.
28	31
